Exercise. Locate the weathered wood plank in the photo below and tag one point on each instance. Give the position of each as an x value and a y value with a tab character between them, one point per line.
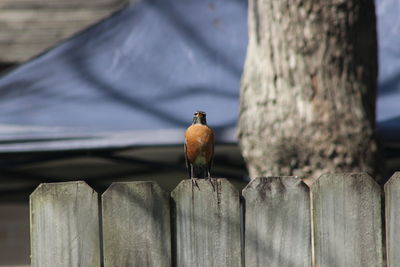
277	222
41	4
30	18
27	32
206	223
392	215
136	225
17	53
64	225
347	220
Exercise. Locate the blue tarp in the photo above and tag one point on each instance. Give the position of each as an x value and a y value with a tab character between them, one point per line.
137	77
388	102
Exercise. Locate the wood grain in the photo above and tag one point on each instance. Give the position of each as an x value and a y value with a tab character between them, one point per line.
277	222
347	220
28	27
136	225
25	4
392	215
64	226
206	223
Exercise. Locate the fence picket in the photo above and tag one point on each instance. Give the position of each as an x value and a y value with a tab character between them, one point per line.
277	222
347	220
64	225
392	215
207	224
136	225
206	218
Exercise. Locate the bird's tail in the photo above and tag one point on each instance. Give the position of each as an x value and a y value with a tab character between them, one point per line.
200	171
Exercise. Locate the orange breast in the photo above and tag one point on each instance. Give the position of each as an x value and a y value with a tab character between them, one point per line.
199	142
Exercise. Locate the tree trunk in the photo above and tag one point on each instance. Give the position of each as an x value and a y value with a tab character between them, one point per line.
309	88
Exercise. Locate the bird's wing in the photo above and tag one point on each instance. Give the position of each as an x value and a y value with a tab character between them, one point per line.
209	164
187	161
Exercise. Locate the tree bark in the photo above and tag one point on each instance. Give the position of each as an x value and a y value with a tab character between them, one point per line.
309	87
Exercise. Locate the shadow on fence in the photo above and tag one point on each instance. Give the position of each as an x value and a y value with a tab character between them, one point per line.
336	223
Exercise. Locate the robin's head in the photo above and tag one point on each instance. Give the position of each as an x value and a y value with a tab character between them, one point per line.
200	118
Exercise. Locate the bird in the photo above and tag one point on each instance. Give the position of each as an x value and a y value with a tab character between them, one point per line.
199	147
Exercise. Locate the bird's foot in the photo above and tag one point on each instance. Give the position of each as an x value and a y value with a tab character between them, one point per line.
211	181
194	182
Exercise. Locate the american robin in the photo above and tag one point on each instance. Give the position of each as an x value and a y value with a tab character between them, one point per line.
199	147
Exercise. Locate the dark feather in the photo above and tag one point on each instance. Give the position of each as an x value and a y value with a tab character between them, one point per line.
200	171
210	163
188	165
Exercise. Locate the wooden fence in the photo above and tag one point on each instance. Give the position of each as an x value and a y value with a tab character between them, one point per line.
277	221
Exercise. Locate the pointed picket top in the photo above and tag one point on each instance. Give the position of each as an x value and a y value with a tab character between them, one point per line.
211	184
120	186
394	179
274	183
347	220
60	187
353	179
